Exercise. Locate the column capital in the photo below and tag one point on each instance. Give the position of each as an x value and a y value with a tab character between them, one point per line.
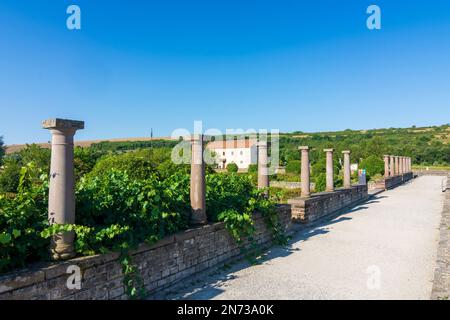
303	148
328	150
61	124
346	152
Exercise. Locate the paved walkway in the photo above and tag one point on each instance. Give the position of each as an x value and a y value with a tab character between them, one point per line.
383	249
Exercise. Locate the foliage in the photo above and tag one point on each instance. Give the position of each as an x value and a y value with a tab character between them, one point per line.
293	167
232	167
320	182
133	145
22	218
139	164
426	145
12	164
252	168
85	160
373	165
10	175
126	199
2	149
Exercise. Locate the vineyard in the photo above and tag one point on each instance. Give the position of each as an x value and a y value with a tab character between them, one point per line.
122	200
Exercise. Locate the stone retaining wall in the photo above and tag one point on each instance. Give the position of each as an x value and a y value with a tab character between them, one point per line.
170	260
395	181
306	210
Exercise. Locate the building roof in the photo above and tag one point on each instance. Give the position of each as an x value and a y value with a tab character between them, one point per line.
231	144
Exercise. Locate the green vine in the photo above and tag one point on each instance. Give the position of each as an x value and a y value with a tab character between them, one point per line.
132	280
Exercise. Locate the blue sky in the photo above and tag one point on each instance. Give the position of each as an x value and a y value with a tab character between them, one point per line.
288	65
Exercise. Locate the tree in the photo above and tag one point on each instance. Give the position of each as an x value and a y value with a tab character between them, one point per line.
252	168
293	167
2	149
373	165
232	167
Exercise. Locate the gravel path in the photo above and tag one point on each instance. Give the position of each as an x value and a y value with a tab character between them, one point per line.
383	249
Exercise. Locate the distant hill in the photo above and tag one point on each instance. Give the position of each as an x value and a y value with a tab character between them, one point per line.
426	145
87	143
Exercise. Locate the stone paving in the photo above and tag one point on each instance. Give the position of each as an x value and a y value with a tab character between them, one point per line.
385	248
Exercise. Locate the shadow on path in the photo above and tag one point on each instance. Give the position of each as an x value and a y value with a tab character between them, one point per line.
210	284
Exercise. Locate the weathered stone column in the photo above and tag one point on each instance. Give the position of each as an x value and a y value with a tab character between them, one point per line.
405	167
392	166
400	165
330	169
409	164
305	183
197	191
61	197
263	171
397	168
347	170
386	166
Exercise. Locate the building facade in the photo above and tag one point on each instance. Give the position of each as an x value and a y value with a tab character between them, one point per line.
242	152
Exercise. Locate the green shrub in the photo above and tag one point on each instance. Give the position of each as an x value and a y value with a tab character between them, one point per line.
232	167
320	181
85	160
9	175
2	149
22	218
293	167
373	165
253	168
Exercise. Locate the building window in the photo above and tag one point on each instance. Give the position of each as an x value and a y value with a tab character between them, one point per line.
242	162
232	153
242	153
223	153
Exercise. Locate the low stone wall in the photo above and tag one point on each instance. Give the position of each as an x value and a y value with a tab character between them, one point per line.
395	181
167	262
306	210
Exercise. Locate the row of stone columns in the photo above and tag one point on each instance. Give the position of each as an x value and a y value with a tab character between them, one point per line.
396	165
305	174
61	203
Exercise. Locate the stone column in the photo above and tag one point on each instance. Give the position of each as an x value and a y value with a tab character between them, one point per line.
197	191
263	171
386	166
347	170
305	183
397	169
400	165
61	194
409	164
330	173
405	166
391	166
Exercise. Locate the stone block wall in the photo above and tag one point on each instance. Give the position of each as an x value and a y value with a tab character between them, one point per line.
306	210
167	262
395	181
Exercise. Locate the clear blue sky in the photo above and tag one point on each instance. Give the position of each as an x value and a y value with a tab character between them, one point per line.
288	65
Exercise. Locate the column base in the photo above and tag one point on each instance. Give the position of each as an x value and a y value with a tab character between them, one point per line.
61	249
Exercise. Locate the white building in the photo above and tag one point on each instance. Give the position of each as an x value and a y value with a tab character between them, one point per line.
242	152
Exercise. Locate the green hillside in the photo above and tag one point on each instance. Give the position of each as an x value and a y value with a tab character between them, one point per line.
425	145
